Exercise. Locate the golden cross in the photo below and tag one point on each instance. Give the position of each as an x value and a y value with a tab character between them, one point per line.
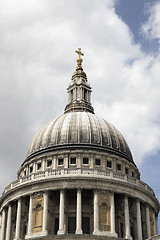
79	53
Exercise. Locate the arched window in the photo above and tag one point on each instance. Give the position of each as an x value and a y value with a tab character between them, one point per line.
37	218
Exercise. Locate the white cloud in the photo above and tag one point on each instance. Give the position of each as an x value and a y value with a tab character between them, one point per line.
152	27
37	44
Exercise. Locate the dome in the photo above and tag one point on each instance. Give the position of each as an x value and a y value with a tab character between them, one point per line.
77	129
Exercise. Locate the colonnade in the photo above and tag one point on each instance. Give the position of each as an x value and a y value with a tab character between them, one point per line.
6	217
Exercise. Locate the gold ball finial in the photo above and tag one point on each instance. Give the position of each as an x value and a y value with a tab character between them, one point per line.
79	59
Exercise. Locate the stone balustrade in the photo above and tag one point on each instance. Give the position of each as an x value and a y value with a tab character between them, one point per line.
79	172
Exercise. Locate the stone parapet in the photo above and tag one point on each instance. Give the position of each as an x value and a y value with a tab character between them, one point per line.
79	172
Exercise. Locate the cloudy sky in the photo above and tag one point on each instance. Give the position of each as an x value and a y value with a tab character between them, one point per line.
121	43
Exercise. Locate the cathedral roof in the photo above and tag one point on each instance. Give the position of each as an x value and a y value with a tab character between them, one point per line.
79	129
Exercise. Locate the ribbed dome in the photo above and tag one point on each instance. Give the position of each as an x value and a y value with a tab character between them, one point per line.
77	129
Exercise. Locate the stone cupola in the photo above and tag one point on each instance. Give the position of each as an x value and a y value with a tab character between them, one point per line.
79	91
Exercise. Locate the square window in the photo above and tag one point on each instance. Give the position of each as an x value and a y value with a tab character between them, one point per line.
109	164
85	160
31	169
119	167
49	163
73	160
38	166
97	161
60	161
126	170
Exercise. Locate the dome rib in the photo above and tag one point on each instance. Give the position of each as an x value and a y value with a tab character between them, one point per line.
99	129
108	133
79	129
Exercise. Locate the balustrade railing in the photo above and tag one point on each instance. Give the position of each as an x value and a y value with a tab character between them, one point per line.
56	173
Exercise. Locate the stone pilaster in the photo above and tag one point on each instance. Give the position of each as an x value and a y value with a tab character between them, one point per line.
43	165
54	162
79	161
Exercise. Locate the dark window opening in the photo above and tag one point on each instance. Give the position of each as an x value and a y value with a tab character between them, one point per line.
49	163
97	161
85	160
73	160
38	166
71	225
31	169
109	164
71	94
85	94
56	225
119	167
132	174
60	161
24	173
126	170
86	225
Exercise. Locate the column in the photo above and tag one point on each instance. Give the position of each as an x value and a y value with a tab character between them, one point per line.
79	213
96	213
154	223
30	216
8	230
127	221
148	222
112	215
18	220
139	223
45	213
3	224
61	213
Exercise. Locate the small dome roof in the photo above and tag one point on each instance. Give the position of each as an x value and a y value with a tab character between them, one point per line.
77	129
